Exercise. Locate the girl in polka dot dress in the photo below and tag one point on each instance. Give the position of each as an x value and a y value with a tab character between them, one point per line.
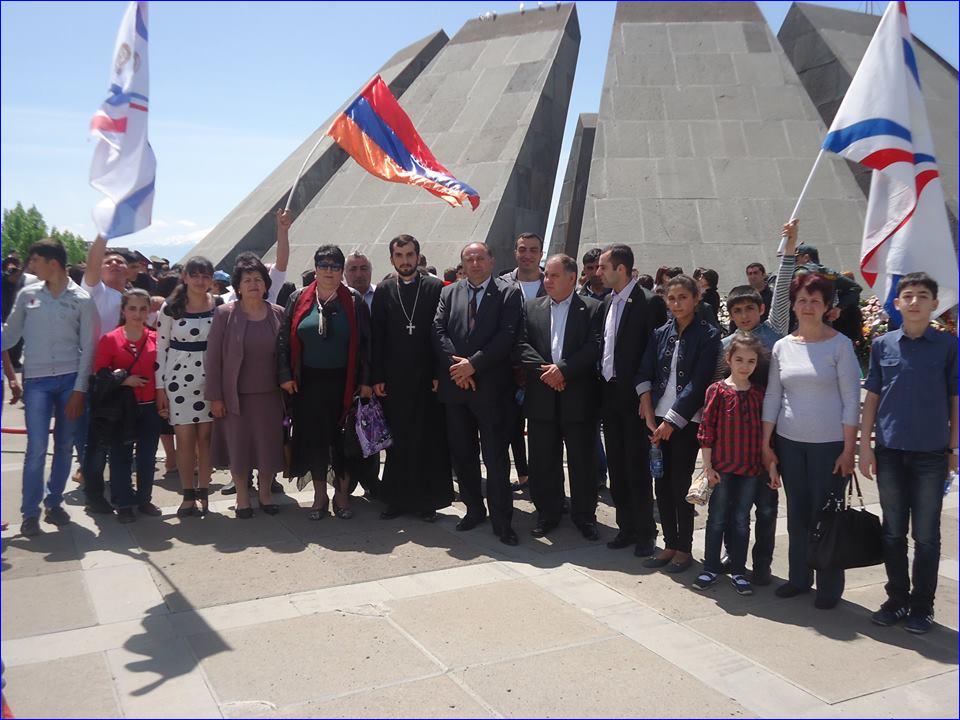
182	329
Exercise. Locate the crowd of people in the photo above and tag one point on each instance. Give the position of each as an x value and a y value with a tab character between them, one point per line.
631	375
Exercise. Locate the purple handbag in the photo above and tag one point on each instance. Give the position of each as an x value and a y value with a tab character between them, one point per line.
372	429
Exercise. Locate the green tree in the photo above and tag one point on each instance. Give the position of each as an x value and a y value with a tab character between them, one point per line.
76	246
22	228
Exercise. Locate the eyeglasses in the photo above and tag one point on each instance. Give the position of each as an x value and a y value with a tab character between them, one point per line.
336	267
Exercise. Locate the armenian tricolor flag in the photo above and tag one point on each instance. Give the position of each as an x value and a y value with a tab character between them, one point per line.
376	132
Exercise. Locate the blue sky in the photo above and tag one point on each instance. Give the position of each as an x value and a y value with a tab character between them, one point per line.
235	87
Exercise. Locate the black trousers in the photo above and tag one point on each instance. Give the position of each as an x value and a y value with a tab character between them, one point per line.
628	463
465	422
767	503
518	443
547	439
679	462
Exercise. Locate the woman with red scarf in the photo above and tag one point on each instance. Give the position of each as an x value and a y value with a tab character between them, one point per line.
323	356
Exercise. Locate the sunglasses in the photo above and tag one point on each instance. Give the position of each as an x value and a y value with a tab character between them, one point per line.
336	267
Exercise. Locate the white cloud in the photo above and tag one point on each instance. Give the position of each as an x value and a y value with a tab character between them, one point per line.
187	223
178	240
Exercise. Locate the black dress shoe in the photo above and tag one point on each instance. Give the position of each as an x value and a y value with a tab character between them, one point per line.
469	523
543	527
509	537
590	531
429	516
789	590
391	513
99	506
622	540
645	550
276	487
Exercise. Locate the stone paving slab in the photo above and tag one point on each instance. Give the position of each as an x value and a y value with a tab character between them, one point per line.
37	605
431	697
281	616
52	552
610	678
298	660
857	657
480	624
83	688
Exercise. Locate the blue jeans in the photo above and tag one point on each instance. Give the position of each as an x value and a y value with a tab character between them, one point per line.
728	519
911	494
43	398
121	461
807	473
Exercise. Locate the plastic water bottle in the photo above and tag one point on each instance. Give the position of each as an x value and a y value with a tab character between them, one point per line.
656	462
948	483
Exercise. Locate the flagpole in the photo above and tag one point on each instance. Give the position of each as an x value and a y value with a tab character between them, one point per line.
304	167
796	208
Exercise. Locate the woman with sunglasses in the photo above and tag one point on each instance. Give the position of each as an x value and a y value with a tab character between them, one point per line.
323	357
182	329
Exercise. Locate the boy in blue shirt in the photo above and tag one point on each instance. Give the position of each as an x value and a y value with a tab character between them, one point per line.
912	402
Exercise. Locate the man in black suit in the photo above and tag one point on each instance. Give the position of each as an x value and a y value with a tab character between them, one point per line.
475	332
528	250
628	324
559	348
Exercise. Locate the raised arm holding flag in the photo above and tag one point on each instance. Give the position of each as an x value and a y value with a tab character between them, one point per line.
882	124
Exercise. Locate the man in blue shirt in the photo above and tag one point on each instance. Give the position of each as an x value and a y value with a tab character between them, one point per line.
912	401
58	322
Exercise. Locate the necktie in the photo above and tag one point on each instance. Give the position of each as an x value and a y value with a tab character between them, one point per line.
610	338
472	308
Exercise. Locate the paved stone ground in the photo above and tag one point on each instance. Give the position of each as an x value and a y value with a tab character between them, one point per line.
280	616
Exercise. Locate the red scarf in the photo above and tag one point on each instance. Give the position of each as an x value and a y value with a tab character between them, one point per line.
303	307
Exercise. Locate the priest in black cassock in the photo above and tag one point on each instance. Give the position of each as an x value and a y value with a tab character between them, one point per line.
417	476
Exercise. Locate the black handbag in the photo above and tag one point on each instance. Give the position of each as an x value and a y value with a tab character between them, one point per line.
845	537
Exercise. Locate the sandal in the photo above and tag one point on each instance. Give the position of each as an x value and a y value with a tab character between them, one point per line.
185	510
318	513
741	585
705	580
203	497
344	513
244	513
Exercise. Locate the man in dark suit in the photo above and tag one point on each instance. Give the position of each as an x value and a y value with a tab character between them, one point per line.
628	324
475	332
559	348
527	250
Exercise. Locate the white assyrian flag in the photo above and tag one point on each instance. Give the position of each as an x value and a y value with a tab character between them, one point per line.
124	167
882	124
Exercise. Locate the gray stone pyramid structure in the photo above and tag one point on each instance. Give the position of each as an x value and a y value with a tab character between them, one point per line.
250	226
492	106
825	46
704	139
565	237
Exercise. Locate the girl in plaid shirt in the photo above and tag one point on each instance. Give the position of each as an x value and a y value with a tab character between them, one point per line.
730	437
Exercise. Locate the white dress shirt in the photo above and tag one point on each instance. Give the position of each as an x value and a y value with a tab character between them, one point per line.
483	290
618	300
558	326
